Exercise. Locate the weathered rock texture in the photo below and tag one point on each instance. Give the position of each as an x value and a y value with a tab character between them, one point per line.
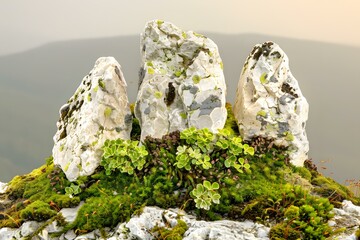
139	227
98	110
269	102
181	81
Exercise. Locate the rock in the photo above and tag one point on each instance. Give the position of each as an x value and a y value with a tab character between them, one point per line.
225	229
181	81
3	187
69	235
269	102
70	214
98	110
347	217
29	228
7	233
139	227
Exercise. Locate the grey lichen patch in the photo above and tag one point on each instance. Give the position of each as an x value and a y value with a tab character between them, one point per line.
194	90
209	104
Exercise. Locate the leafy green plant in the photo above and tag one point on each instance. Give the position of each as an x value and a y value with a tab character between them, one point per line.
123	155
201	138
72	190
205	194
188	155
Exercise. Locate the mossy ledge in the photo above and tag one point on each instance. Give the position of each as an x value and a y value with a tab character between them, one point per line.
174	173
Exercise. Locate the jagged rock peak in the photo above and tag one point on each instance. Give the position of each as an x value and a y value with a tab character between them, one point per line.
98	110
181	81
269	102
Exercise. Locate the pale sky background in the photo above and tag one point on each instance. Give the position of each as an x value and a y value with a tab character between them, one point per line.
30	23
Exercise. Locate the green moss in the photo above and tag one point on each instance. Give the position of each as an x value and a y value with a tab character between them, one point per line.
37	211
231	124
158	94
101	83
150	70
178	73
327	187
107	112
159	22
183	115
304	172
175	233
196	79
357	233
261	113
263	79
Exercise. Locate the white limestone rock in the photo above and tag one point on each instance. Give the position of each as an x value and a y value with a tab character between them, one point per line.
99	110
7	233
29	228
70	214
181	81
269	102
3	187
139	227
347	217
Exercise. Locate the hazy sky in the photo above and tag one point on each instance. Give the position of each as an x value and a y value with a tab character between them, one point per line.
29	23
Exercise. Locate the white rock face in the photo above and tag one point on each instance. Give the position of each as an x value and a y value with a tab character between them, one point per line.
3	187
348	218
181	81
269	102
99	110
139	226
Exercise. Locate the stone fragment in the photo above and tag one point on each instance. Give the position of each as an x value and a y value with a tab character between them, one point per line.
98	110
181	81
70	214
29	228
269	102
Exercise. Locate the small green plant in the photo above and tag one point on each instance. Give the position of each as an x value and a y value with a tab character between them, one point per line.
202	138
188	155
205	194
123	155
72	190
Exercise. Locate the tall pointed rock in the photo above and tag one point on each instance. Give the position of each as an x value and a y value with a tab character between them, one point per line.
269	102
98	110
181	81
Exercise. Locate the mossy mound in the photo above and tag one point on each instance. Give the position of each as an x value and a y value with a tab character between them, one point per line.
214	176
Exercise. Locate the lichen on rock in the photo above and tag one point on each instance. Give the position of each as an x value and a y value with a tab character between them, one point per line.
269	102
181	81
98	110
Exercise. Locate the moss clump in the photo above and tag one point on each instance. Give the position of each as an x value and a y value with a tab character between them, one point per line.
175	233
37	211
327	187
230	123
357	233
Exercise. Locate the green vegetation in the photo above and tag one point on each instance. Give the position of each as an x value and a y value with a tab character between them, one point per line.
215	176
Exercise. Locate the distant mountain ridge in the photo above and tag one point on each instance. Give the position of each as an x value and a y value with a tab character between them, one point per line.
34	84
